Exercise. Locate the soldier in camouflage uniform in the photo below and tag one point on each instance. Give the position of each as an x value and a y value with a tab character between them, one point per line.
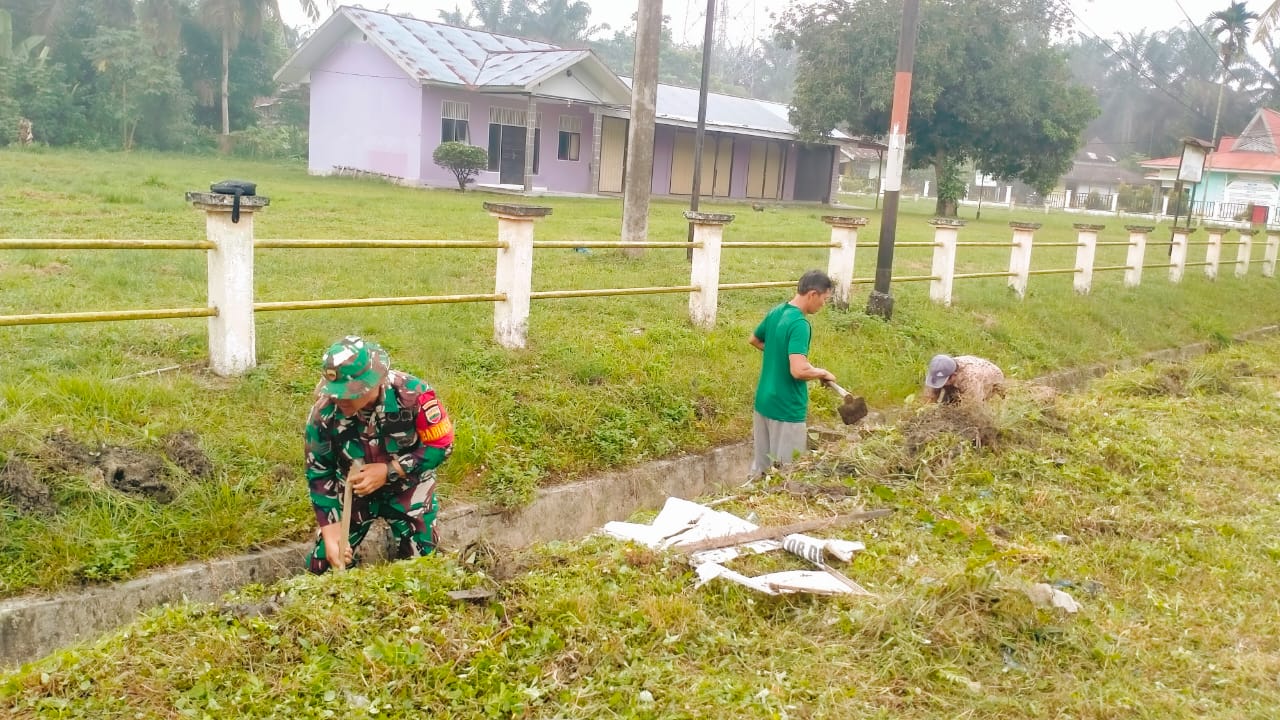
395	425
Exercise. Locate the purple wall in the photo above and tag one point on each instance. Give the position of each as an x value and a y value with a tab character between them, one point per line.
553	174
365	113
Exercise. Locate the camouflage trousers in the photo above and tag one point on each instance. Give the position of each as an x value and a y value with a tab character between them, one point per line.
411	514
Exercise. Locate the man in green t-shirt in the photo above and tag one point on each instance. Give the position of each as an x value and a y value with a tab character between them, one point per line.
782	396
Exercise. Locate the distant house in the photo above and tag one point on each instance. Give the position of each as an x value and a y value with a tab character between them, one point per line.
387	90
1096	177
1241	174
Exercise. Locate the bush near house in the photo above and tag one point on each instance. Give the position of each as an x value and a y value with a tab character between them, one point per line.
463	160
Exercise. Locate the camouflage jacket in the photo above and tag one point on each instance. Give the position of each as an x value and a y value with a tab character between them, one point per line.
407	423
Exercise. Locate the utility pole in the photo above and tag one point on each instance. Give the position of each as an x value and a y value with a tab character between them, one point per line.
881	302
701	133
644	102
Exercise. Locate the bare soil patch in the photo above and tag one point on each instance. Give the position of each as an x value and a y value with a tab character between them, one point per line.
18	485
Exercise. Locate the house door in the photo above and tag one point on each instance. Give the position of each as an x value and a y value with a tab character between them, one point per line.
613	153
813	172
511	155
764	170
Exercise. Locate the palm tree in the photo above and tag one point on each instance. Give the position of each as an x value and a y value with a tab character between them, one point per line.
1230	28
233	19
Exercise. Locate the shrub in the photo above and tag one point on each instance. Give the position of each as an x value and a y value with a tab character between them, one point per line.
463	160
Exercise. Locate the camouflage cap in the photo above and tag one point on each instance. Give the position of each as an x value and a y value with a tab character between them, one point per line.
352	366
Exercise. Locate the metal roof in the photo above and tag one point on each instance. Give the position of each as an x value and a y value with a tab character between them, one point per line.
729	112
521	68
431	51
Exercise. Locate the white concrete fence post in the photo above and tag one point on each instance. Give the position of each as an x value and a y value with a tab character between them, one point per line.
1115	202
704	275
1213	251
1086	251
1020	256
945	233
1164	205
513	276
844	234
232	339
1273	249
1066	200
1178	253
1244	255
1008	196
1137	254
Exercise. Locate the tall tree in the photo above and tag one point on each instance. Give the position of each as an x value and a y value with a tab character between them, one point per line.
1231	29
232	19
988	86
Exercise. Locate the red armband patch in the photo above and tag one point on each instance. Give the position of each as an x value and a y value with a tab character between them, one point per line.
433	423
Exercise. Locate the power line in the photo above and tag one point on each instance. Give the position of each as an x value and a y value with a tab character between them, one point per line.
1136	67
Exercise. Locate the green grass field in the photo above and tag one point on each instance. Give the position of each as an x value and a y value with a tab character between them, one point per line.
1165	536
606	382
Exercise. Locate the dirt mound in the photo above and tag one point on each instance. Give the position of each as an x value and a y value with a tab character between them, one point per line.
135	473
970	421
18	485
130	471
183	448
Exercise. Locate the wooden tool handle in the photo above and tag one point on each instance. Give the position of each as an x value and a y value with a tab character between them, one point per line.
339	563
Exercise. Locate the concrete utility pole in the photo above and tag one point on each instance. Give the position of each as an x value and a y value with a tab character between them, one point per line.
700	136
881	302
644	102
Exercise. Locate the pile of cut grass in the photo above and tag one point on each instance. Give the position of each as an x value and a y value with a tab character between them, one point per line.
1165	536
605	382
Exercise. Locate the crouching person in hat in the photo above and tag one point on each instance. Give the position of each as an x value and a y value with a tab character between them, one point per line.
392	425
963	377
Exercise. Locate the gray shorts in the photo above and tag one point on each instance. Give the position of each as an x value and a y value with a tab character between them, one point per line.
776	442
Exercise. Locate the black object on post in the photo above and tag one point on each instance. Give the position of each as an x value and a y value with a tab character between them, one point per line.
239	188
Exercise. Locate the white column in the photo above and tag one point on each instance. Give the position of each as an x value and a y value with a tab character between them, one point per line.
1066	203
1164	205
945	233
844	233
1273	249
1086	251
1008	196
232	341
530	125
926	189
1020	256
1178	253
513	276
1244	255
1115	201
1137	254
704	275
1213	252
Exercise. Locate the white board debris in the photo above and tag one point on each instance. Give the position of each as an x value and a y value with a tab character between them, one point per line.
682	522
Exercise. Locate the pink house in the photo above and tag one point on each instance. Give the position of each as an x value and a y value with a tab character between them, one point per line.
387	90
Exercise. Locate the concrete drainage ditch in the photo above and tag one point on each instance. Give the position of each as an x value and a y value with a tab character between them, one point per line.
32	627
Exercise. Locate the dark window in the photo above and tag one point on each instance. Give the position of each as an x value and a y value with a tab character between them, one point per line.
453	130
570	144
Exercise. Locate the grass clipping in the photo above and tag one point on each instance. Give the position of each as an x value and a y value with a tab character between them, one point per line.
1157	511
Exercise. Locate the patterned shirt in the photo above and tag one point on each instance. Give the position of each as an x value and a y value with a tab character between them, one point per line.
406	423
974	379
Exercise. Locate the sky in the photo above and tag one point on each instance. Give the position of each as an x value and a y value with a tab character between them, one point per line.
750	18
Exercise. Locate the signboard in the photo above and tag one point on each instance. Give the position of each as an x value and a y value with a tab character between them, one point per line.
1191	169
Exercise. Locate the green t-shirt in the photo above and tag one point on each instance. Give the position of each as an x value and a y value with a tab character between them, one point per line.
785	332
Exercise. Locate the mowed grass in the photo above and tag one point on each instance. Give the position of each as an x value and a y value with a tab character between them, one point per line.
605	382
1165	536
